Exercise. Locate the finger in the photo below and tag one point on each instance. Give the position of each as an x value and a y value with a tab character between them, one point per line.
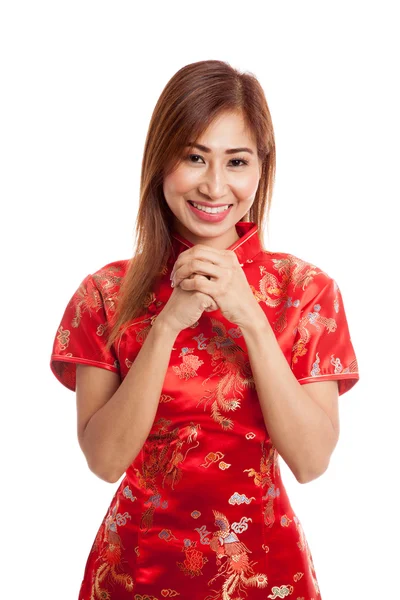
197	282
190	266
213	306
221	258
195	267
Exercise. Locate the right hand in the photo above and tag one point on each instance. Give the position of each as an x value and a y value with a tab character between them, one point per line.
185	307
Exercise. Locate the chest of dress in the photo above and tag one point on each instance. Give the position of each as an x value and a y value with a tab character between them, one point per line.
208	382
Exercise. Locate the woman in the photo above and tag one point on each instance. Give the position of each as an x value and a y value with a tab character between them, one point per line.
202	359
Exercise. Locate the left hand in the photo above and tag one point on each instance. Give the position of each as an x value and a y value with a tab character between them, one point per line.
217	273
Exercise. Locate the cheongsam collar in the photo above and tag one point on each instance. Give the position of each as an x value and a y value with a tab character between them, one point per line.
246	247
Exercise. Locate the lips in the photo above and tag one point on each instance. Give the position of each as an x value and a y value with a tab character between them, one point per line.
209	217
208	205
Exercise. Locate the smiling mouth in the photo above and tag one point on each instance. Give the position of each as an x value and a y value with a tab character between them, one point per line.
207	206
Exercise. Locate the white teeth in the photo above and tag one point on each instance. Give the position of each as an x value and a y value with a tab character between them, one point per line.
211	210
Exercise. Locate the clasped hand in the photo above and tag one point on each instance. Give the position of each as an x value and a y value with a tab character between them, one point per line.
217	273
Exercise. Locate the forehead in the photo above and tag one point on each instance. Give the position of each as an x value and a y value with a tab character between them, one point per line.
227	130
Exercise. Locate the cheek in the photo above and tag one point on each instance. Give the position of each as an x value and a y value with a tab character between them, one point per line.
246	187
179	182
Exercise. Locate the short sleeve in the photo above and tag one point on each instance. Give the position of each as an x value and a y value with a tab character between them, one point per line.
80	337
323	349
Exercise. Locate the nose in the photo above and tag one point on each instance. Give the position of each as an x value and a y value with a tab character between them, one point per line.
213	183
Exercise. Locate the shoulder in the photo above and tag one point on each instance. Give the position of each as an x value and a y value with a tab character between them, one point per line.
101	287
295	276
108	279
112	270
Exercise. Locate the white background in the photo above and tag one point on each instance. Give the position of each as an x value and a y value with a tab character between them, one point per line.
79	81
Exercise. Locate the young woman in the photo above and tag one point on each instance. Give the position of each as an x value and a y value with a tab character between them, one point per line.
200	360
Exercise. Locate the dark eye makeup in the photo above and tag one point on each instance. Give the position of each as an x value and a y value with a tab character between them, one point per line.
243	160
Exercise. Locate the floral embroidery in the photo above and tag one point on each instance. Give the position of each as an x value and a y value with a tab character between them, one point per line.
194	560
189	366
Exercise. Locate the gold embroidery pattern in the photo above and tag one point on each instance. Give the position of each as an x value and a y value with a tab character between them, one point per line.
315	319
168	593
304	547
141	334
237	571
189	365
87	298
274	291
164	452
109	545
194	561
263	479
165	398
233	372
212	457
167	535
107	281
237	498
223	465
171	489
63	338
282	591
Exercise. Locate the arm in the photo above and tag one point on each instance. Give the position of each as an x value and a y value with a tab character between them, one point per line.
115	434
300	429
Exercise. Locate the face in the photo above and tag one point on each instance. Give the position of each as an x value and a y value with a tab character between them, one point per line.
214	176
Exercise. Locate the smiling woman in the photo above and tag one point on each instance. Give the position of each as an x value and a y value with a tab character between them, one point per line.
203	359
220	187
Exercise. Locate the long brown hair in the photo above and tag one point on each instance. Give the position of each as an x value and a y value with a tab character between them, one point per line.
191	100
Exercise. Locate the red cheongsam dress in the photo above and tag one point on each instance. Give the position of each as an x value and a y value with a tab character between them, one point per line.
202	513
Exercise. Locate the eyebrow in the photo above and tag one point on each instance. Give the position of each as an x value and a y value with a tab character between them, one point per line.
230	151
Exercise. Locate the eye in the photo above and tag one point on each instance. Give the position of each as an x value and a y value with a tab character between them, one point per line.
236	160
190	156
243	160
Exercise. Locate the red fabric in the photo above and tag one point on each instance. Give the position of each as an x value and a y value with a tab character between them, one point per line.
202	512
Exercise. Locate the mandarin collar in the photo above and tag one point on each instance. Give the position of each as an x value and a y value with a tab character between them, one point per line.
246	247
